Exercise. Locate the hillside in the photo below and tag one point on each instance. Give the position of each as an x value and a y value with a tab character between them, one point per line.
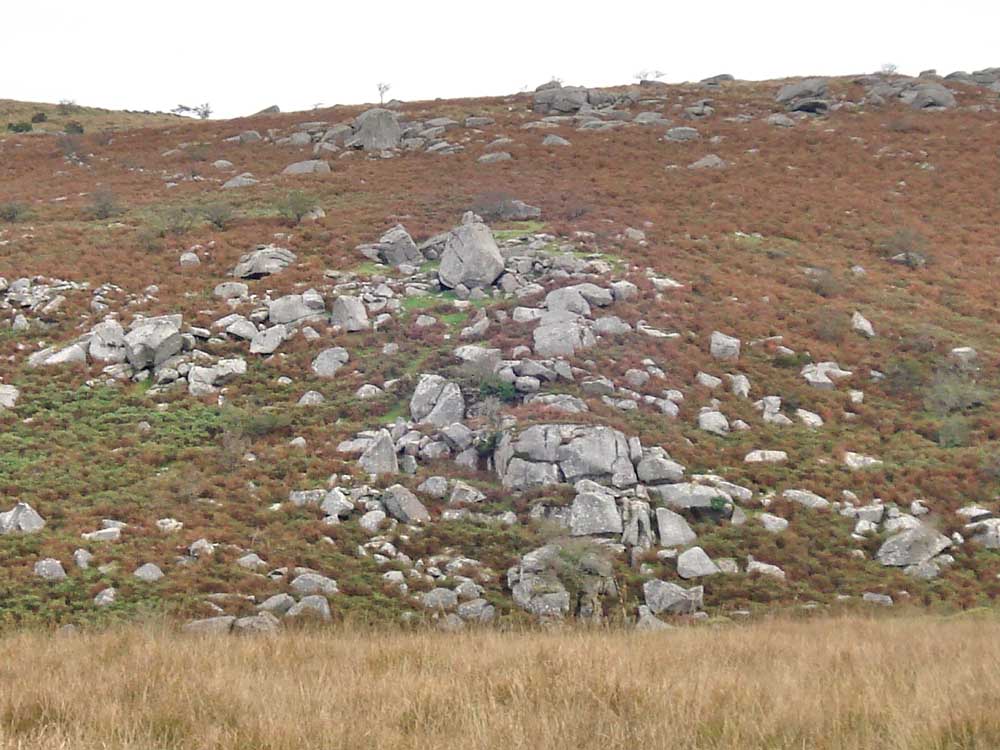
55	118
636	354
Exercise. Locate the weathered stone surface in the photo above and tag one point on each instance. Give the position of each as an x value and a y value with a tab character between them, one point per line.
263	260
404	506
50	569
310	166
376	130
695	563
669	598
594	512
471	257
308	584
912	547
21	519
395	248
151	342
329	361
380	456
806	498
437	401
725	347
313	606
350	314
673	529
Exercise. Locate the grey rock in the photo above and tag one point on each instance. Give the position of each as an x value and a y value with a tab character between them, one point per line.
210	625
313	606
673	529
437	401
380	457
594	512
912	547
310	166
695	563
21	519
328	362
308	584
263	260
150	343
50	569
350	314
664	597
377	130
150	573
471	256
404	506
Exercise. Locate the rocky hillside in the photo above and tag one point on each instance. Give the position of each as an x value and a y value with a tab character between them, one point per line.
640	354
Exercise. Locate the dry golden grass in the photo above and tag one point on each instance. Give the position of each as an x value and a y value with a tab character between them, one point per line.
913	683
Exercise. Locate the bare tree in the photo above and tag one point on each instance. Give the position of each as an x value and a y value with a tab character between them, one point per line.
201	111
383	88
889	69
649	75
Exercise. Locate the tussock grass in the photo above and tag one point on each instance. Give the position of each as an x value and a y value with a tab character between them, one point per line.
913	683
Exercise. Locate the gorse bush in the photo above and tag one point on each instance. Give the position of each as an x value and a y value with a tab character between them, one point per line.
19	127
39	117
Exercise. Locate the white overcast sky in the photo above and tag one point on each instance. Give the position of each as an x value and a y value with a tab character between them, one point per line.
243	55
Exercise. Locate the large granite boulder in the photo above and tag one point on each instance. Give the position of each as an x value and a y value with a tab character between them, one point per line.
152	341
376	129
437	401
263	260
471	257
912	547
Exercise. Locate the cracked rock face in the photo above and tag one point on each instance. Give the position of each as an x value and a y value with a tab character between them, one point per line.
437	401
550	454
152	342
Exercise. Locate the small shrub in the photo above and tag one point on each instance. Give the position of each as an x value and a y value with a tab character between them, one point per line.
67	107
904	377
198	152
19	127
953	432
951	391
73	127
103	205
39	117
178	220
11	212
219	214
989	466
244	424
908	243
70	145
296	205
151	238
826	284
498	388
831	327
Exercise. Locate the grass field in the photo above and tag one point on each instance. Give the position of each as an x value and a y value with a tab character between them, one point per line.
917	683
